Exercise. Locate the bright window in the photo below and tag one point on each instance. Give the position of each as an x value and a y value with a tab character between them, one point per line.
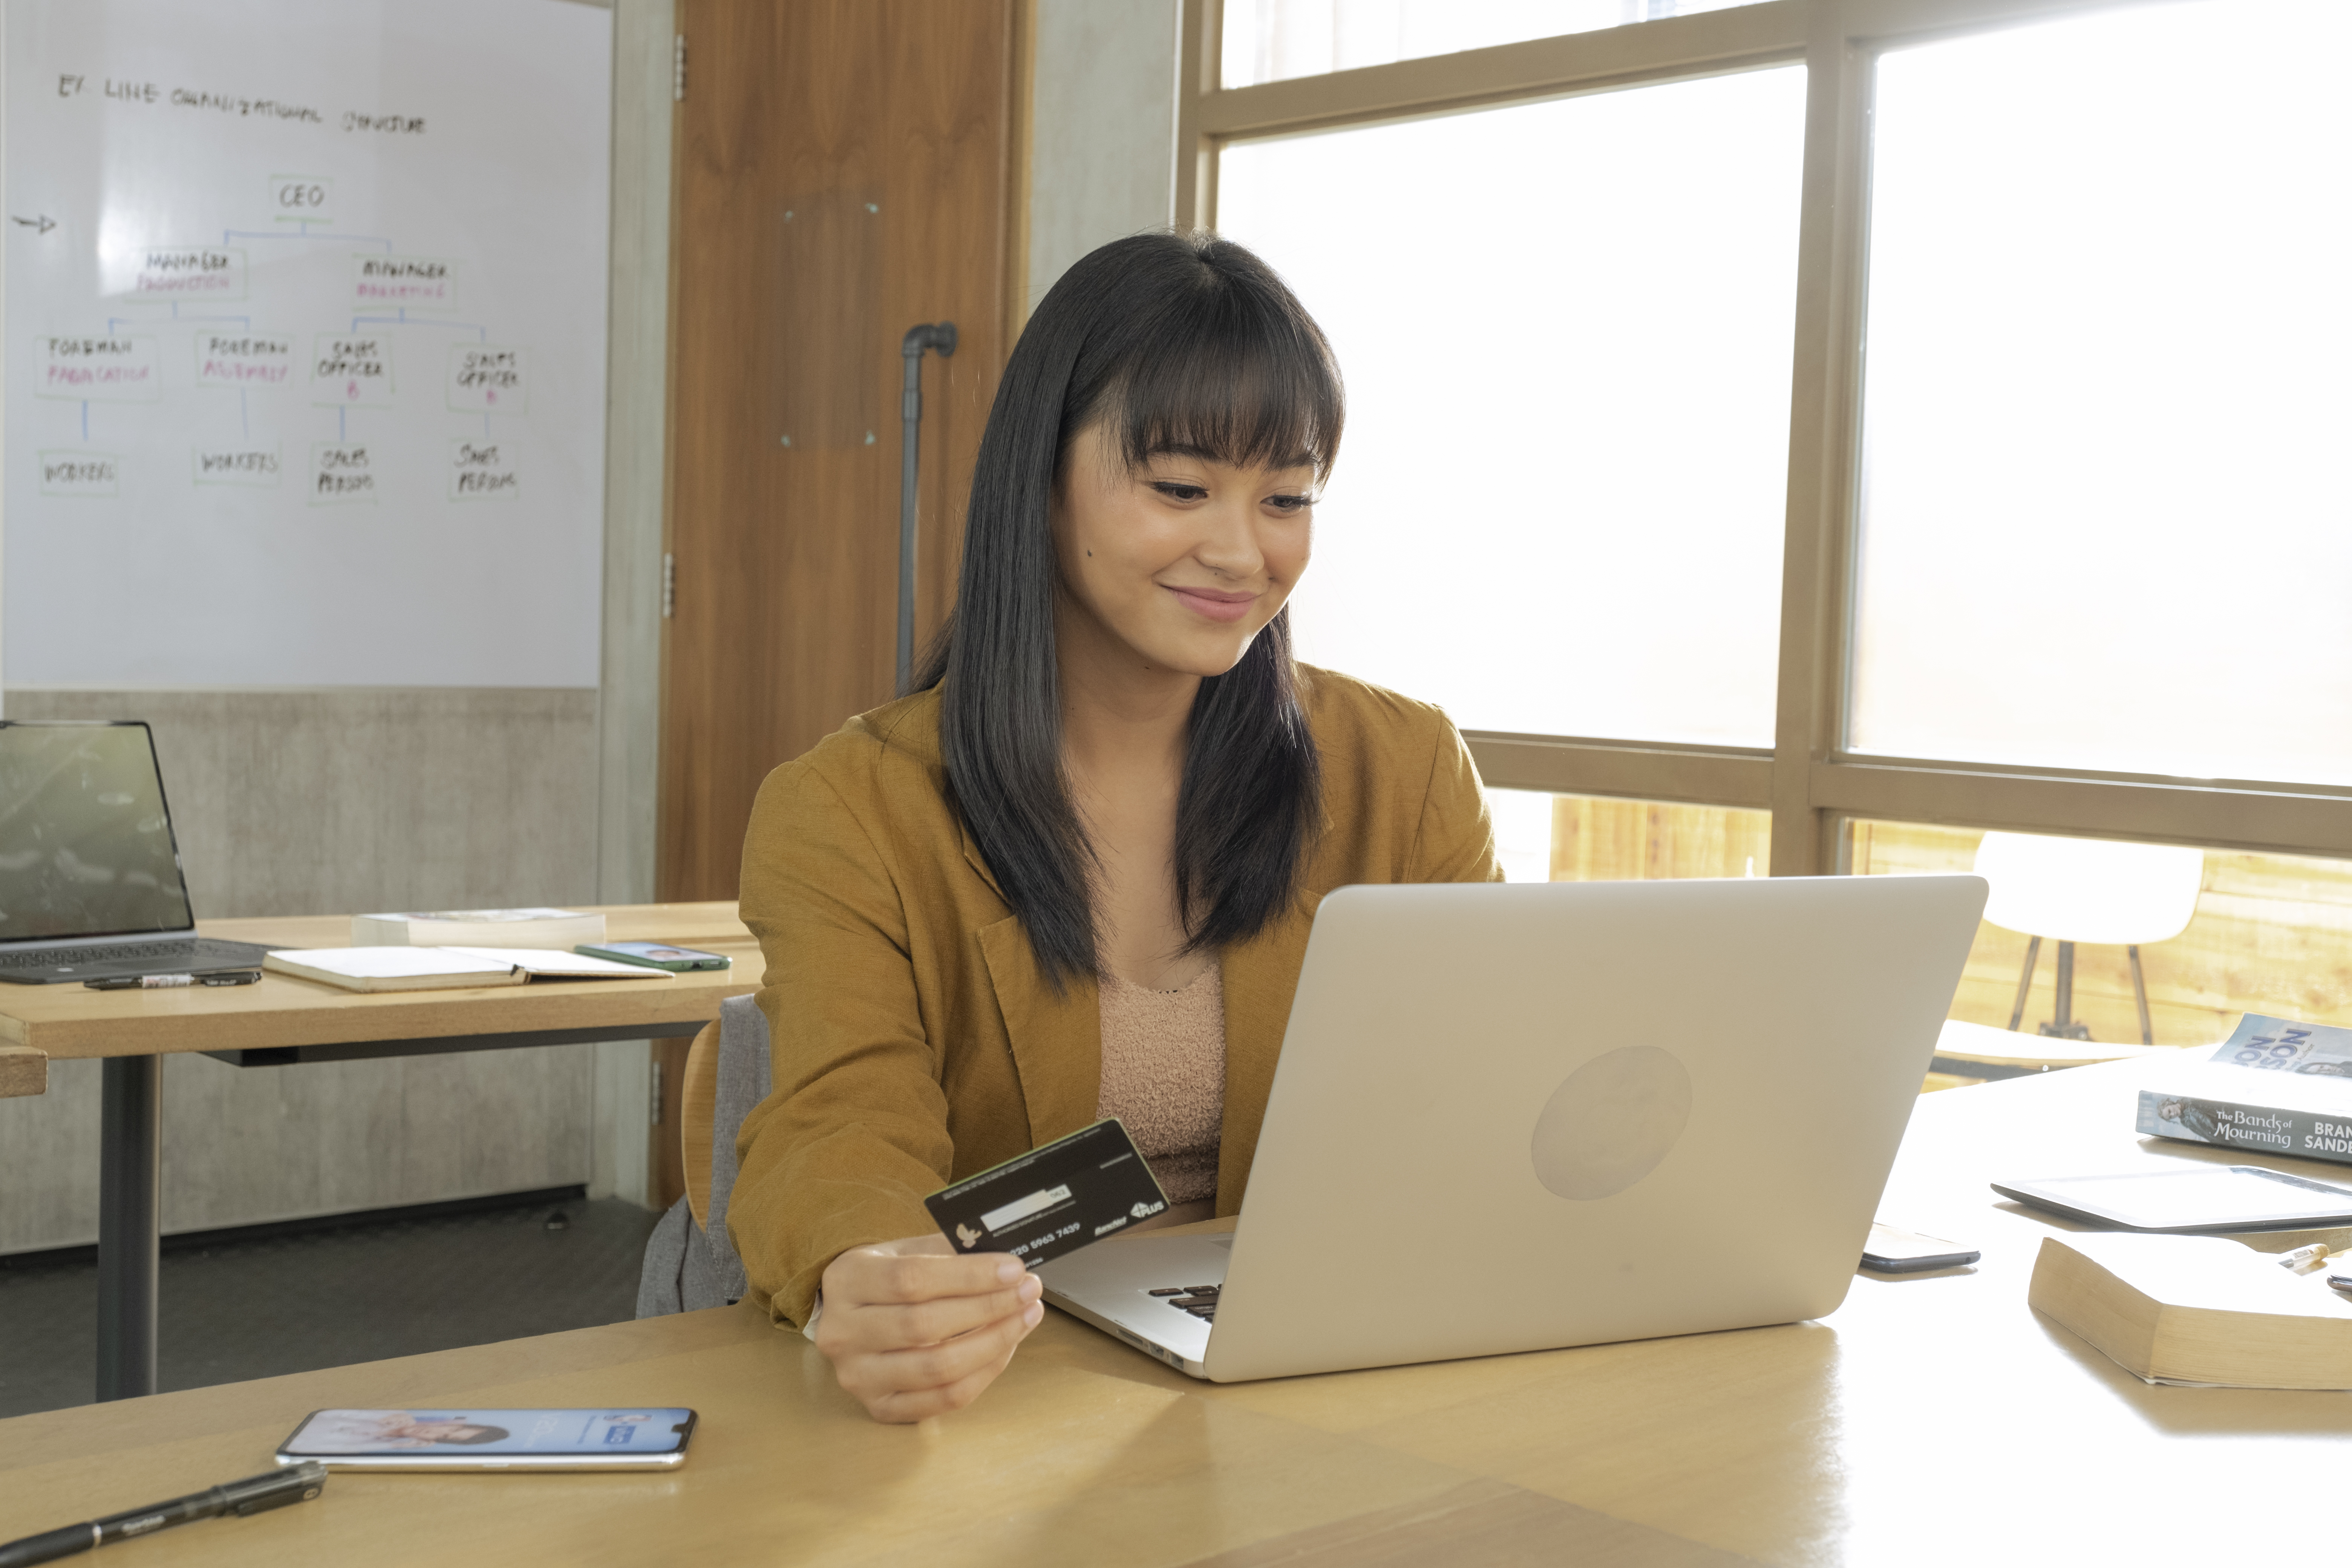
1545	837
2105	521
1564	328
2017	337
1274	40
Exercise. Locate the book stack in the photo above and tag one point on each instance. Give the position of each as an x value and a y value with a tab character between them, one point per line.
480	928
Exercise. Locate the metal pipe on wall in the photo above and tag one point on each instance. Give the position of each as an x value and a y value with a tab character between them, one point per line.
941	338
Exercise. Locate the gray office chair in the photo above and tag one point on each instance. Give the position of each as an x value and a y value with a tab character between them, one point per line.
690	1264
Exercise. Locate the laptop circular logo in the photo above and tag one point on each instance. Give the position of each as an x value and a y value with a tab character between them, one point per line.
1611	1123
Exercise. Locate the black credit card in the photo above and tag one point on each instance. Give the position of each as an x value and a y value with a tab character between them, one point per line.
1054	1199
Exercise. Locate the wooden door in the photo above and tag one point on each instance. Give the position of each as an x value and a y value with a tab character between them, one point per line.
844	170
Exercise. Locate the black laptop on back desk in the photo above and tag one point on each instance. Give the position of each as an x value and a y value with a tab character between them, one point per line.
90	870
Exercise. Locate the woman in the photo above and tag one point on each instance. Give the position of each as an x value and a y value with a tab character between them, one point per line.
1072	874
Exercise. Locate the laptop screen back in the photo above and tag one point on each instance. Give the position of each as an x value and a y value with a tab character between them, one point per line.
86	847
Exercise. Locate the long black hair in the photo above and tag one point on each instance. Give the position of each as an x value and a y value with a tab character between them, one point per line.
1164	341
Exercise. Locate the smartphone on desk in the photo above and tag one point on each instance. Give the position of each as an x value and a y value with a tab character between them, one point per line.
652	1438
1895	1251
657	955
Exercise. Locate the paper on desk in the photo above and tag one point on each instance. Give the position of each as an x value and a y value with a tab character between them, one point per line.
552	963
396	963
424	968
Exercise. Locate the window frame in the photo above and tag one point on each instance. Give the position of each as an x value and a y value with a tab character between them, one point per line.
1808	781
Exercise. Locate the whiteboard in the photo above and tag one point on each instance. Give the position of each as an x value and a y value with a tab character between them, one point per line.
305	342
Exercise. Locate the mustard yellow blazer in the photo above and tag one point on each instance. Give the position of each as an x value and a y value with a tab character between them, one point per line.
915	1041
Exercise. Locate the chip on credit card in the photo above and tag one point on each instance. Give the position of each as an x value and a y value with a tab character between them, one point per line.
1054	1199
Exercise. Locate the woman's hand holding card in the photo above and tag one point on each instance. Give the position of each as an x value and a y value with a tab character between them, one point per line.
913	1330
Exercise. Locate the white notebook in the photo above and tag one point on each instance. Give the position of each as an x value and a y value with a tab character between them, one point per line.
554	963
443	968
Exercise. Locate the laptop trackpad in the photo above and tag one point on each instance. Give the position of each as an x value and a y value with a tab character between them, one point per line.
1116	1279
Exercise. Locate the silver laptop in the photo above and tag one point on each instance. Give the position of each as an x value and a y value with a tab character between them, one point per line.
90	870
1513	1118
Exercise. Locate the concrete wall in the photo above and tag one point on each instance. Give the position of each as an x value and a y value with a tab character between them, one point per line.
628	718
362	797
1102	132
351	799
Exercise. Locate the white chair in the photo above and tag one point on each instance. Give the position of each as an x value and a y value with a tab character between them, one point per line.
2086	889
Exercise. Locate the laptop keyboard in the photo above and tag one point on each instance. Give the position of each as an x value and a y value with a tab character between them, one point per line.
1200	1300
42	965
49	957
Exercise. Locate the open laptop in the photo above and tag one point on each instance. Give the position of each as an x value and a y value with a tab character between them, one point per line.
90	870
1515	1118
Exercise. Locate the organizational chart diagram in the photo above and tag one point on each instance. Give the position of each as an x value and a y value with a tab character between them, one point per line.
177	333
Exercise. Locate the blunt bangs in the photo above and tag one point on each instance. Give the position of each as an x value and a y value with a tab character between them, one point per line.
1241	377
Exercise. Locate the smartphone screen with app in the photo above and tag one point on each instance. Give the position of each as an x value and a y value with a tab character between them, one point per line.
653	1438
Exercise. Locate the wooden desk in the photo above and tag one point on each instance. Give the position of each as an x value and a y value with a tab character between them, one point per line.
1930	1420
282	1021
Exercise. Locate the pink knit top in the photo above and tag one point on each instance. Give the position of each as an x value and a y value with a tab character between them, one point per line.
1163	1074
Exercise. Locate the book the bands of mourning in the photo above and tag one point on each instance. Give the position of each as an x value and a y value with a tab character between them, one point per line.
2273	1087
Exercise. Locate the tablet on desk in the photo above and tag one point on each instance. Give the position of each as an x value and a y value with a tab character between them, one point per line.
2209	1199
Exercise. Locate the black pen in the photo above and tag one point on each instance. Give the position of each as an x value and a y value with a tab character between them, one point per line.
255	1494
169	982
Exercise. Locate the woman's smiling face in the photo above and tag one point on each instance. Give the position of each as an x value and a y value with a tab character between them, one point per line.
1183	559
